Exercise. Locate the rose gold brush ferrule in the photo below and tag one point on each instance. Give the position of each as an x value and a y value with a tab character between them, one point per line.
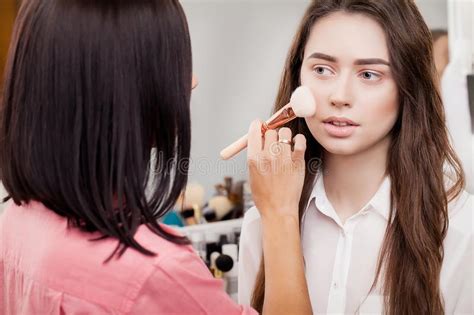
278	119
284	117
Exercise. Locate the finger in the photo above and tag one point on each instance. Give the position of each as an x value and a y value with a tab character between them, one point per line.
299	148
285	134
254	146
271	137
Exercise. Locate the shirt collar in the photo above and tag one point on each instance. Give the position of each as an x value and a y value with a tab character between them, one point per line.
379	203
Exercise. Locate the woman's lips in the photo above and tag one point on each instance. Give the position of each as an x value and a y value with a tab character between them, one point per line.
339	127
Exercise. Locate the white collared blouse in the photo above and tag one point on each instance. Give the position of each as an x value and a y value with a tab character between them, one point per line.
341	259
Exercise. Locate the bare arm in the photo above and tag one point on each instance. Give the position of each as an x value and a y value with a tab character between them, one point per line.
286	290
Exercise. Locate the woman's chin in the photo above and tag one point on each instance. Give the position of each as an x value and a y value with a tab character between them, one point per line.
338	147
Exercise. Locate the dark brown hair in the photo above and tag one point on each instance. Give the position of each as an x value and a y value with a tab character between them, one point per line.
90	88
412	251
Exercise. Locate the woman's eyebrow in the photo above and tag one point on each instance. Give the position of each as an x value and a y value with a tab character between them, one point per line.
371	61
358	62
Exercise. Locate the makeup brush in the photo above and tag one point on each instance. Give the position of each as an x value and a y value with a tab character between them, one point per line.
224	263
221	206
190	203
301	104
193	195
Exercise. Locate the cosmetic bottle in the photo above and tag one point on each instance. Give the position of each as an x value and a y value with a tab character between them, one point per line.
199	245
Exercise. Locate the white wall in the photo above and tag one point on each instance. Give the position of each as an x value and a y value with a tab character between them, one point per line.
434	12
239	49
454	83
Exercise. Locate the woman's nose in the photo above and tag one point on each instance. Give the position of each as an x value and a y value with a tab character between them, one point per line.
341	94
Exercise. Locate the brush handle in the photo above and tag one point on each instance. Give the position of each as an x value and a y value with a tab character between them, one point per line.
234	148
241	144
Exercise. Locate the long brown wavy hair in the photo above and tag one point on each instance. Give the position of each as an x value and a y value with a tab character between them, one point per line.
420	153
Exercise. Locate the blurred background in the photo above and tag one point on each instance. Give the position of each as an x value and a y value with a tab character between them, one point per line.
239	49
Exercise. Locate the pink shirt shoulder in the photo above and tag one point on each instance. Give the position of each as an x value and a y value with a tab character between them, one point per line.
48	268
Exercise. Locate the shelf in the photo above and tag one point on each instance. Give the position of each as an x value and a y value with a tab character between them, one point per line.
215	227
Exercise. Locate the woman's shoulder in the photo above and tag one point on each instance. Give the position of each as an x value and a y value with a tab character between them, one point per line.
165	250
146	237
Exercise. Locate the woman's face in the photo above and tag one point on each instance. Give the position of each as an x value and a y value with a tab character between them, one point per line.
346	65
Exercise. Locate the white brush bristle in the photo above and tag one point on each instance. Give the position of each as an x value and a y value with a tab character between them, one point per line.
221	205
302	102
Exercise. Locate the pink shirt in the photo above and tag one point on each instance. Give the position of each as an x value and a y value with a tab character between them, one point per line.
48	268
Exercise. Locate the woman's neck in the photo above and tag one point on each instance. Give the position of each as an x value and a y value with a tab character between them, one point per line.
351	181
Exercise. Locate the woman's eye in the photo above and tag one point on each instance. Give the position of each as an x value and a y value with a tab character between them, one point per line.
371	76
322	71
